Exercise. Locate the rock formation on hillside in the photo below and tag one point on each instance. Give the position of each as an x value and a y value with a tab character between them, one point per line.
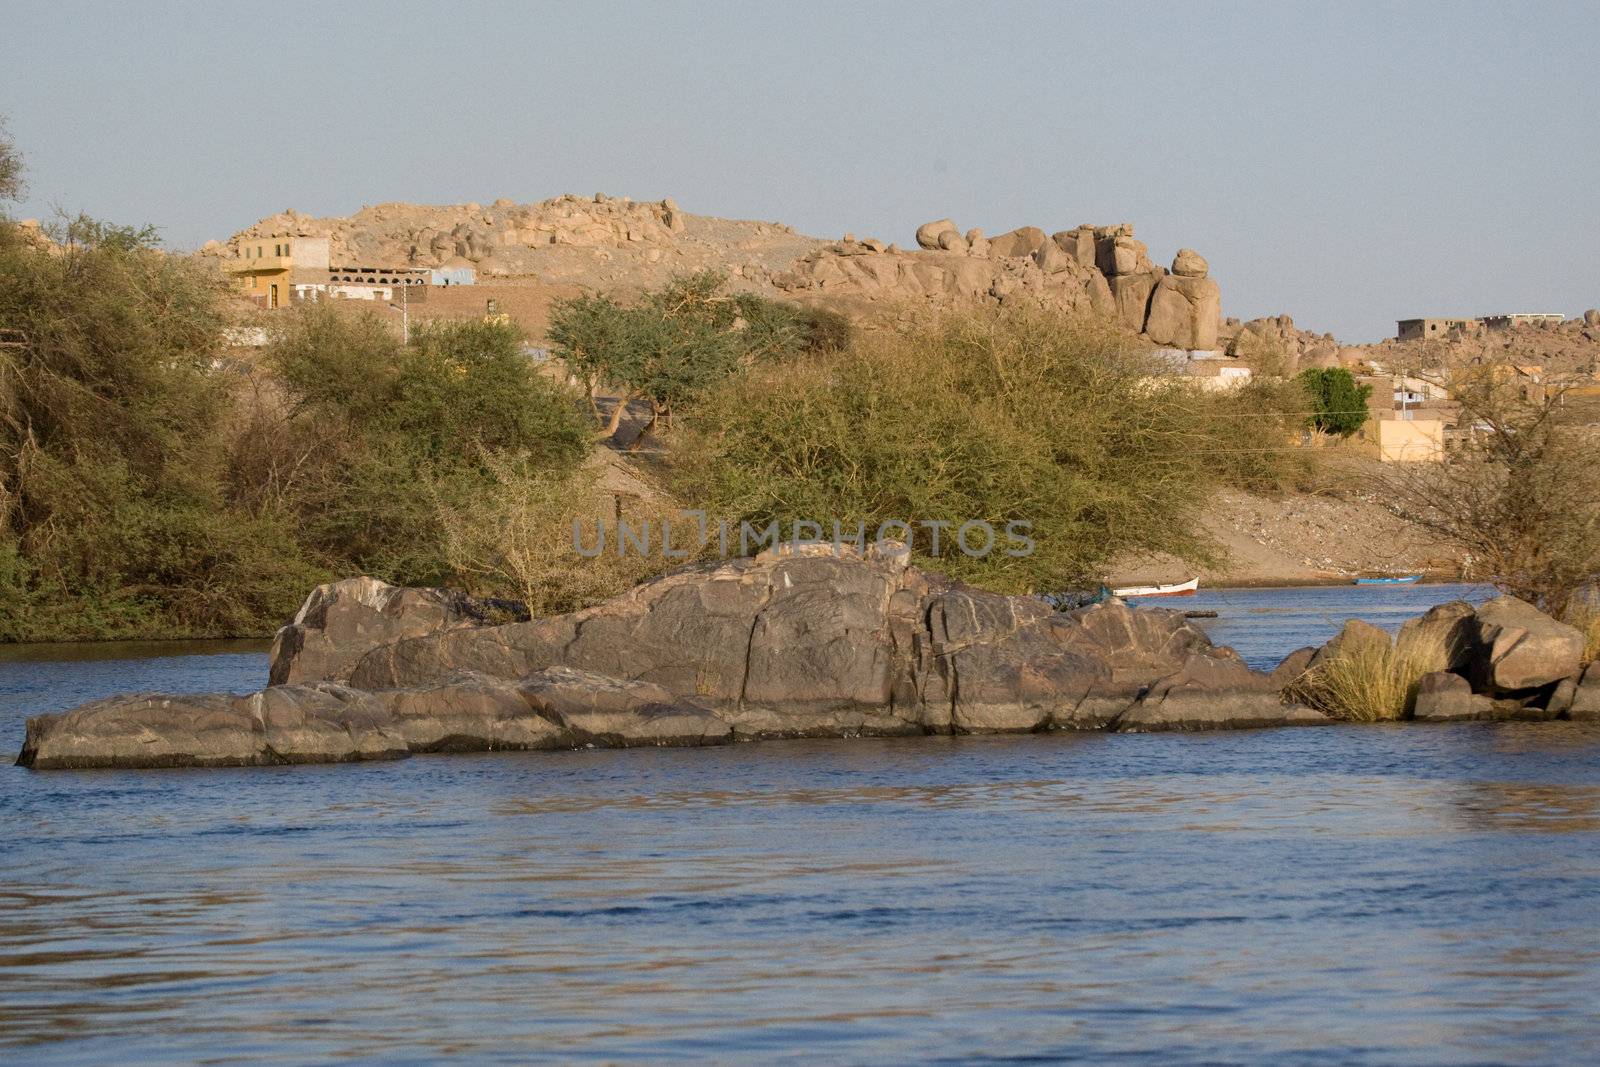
1277	337
597	241
603	241
1102	269
794	643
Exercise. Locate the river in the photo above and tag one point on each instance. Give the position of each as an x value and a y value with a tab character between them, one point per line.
1383	894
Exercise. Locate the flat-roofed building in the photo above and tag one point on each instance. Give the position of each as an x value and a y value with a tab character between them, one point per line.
1432	329
1523	318
265	267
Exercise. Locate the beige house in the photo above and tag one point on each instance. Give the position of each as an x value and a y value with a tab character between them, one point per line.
1413	440
266	267
1432	329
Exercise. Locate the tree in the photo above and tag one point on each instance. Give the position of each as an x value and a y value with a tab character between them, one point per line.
11	187
371	434
1520	496
1338	404
114	512
678	341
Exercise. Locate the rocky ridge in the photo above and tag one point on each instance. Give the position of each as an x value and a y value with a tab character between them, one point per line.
1098	269
592	241
605	241
787	644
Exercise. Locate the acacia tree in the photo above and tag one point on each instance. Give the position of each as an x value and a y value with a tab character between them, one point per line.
675	342
1520	497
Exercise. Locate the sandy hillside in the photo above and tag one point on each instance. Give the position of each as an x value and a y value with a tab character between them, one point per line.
1299	538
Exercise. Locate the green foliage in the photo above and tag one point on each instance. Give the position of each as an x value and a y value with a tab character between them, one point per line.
1013	416
10	168
149	488
113	514
678	341
1249	435
372	434
1338	404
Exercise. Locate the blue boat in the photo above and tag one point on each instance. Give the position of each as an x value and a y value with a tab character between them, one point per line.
1408	579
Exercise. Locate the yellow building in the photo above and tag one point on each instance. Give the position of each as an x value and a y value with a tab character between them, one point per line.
265	267
1410	440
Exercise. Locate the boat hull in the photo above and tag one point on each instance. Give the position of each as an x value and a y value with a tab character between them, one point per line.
1176	589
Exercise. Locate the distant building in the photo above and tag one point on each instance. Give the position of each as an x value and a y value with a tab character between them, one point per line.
1445	329
1432	329
1410	440
1523	318
448	275
272	271
264	268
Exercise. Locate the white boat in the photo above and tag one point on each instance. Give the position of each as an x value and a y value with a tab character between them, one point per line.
1175	589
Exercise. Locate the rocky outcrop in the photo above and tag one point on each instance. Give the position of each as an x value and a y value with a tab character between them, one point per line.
804	643
1215	692
1446	697
1276	342
1585	704
1092	269
1505	660
1523	648
361	612
291	724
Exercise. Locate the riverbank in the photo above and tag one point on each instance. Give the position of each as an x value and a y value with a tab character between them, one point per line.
1297	539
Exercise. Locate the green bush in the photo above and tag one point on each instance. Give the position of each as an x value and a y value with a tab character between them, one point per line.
1018	415
377	433
1338	404
1249	435
114	513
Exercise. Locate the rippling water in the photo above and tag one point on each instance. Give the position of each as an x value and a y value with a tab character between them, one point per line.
1358	894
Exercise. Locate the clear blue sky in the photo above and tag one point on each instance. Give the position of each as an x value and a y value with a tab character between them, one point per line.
1348	164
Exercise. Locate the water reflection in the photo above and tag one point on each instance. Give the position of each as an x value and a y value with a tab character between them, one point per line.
1528	807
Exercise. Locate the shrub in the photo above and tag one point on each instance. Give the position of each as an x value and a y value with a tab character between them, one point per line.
1249	435
1015	415
1519	497
514	537
115	518
378	434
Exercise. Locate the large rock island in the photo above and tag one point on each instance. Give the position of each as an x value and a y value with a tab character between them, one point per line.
799	643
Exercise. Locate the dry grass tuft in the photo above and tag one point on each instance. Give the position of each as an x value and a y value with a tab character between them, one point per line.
1372	682
1585	615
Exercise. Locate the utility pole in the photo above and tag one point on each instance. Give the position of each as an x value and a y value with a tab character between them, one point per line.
405	314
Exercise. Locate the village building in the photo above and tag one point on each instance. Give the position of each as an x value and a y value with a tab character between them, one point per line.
1433	329
272	271
1523	318
1445	329
265	267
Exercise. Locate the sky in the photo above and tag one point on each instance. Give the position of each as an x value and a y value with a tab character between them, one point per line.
1348	164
